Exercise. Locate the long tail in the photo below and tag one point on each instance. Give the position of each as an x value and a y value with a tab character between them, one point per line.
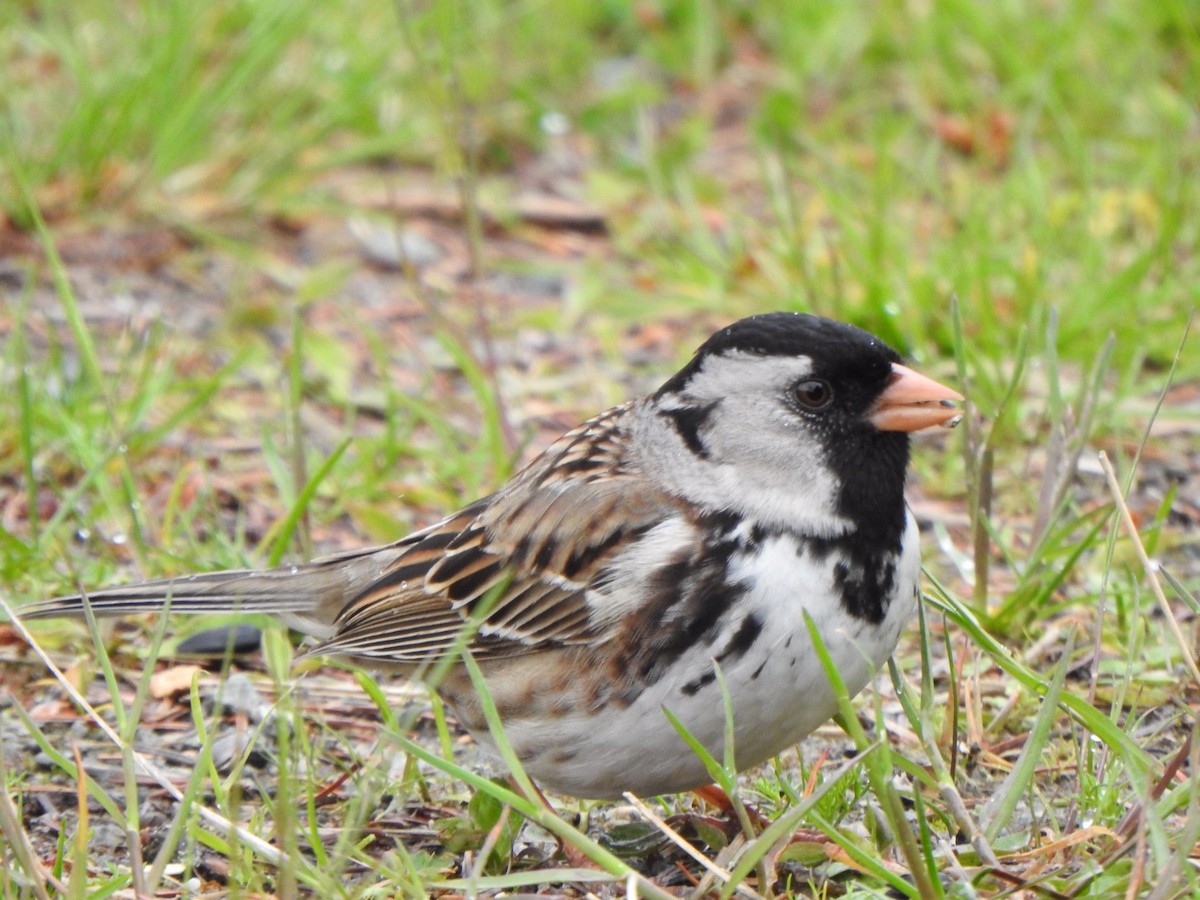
307	596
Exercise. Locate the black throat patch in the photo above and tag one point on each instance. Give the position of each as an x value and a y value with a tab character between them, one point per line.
872	498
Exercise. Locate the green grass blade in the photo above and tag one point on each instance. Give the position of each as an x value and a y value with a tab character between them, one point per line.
1007	796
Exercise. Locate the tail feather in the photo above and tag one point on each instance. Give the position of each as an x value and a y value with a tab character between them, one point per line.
308	596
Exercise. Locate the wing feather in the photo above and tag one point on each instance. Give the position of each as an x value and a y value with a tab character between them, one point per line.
540	542
548	552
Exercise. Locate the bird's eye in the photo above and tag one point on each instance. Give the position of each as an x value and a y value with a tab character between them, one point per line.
814	394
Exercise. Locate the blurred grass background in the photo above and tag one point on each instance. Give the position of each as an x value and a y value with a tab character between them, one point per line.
1021	156
1009	192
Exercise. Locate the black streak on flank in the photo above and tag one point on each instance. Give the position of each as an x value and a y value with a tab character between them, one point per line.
690	612
759	533
693	686
742	641
688	420
686	602
721	523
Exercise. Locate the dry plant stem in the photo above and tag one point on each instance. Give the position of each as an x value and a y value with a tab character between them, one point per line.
1168	884
82	826
1097	635
1039	890
958	810
948	854
706	885
147	768
955	690
983	543
1138	877
458	130
11	829
947	790
333	786
469	193
1051	478
1130	821
1075	430
1149	566
511	440
679	841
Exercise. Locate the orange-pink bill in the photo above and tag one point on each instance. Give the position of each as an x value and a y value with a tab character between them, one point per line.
912	402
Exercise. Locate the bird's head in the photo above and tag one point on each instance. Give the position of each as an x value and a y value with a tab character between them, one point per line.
793	417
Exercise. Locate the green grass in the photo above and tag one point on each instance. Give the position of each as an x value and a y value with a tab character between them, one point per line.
1008	192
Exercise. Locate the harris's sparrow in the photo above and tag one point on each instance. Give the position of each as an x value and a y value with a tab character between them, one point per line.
763	481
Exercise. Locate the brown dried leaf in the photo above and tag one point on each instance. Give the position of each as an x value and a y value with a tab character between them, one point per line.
173	681
956	133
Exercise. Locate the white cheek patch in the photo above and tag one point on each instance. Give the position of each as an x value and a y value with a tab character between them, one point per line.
738	373
773	497
759	460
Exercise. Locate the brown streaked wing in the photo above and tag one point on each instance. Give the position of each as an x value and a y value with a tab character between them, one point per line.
543	539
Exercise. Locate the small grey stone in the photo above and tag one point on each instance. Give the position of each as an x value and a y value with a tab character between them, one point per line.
393	248
238	694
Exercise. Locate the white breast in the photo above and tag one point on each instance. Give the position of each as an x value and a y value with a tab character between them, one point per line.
778	688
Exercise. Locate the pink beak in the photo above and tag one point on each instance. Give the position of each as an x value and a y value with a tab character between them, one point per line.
912	402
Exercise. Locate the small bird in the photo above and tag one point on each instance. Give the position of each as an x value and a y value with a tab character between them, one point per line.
609	579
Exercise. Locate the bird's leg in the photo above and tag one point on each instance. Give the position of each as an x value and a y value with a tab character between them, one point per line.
715	796
569	851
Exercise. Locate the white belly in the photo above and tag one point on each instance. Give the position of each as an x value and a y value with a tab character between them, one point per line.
778	688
